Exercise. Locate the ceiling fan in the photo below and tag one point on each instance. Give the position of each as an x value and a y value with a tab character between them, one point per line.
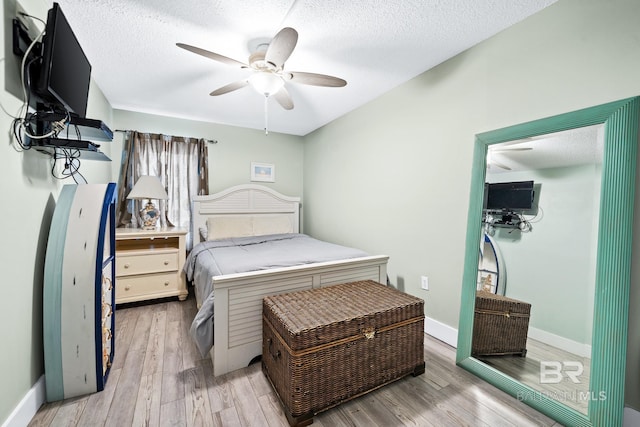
267	62
491	161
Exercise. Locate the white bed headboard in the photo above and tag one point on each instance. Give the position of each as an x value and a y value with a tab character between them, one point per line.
246	199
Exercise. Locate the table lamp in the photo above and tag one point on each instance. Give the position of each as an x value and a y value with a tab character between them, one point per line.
148	187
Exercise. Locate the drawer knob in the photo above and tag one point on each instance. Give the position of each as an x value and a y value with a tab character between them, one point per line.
127	288
126	266
166	283
166	263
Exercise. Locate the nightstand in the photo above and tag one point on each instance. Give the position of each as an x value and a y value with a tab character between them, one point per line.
149	264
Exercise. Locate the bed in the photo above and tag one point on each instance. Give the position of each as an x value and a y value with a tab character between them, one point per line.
229	299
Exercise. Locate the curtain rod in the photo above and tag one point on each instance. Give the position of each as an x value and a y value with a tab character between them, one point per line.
210	141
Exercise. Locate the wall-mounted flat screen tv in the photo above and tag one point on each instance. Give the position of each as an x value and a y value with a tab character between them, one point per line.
510	196
62	78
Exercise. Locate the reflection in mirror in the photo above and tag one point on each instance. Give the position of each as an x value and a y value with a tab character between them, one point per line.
566	262
547	243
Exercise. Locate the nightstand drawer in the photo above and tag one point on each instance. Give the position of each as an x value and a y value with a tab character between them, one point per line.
127	265
128	288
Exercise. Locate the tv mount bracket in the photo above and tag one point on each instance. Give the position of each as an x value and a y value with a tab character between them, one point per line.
21	38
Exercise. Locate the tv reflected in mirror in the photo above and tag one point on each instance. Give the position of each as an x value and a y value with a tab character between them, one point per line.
509	196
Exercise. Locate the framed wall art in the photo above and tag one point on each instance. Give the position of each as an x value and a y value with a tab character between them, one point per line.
263	172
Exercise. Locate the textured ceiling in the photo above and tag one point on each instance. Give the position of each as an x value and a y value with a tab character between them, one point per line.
375	45
574	147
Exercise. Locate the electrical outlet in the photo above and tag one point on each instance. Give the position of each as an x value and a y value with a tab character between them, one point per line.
425	282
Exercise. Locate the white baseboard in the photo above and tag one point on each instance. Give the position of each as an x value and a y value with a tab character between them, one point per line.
28	406
631	417
583	350
439	330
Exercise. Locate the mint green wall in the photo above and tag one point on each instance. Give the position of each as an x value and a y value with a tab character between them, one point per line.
402	162
553	266
231	157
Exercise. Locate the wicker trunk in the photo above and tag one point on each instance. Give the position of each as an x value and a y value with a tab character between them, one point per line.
500	325
325	346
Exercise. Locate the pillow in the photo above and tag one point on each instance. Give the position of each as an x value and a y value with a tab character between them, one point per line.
222	227
203	234
271	224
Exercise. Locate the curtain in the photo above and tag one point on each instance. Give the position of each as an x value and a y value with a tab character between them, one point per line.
181	165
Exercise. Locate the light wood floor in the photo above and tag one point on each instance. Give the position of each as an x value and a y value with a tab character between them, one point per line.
527	371
159	379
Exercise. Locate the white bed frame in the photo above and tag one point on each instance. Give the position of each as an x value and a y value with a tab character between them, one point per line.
238	297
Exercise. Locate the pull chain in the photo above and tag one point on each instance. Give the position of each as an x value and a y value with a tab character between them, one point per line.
266	115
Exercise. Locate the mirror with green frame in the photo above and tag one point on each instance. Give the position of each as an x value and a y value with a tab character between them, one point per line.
558	341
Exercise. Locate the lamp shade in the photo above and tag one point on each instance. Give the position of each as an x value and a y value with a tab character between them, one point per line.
148	187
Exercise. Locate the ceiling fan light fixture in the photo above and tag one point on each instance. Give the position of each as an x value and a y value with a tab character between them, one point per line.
266	83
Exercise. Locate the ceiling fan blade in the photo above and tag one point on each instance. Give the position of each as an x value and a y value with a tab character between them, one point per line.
315	79
283	98
500	165
506	150
281	47
211	55
230	88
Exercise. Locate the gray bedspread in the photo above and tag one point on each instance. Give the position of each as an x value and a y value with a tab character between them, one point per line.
239	255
